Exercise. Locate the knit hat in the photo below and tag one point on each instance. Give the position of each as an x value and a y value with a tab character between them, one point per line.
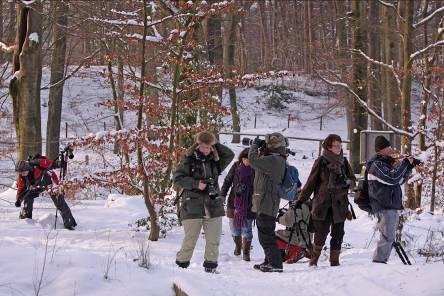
206	137
381	142
276	142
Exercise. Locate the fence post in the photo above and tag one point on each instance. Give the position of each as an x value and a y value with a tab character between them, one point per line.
254	120
320	148
104	126
320	124
66	129
288	125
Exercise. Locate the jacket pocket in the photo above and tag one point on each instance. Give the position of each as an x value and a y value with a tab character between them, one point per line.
193	203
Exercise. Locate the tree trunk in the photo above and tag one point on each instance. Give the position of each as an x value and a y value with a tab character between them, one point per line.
265	44
407	35
147	194
229	43
342	57
374	100
307	37
24	88
359	82
57	75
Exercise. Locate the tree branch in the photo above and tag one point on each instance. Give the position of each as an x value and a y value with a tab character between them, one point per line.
421	51
428	18
73	72
369	110
6	49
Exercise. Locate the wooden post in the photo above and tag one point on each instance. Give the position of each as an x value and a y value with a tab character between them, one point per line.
66	129
104	126
254	120
288	125
320	124
320	148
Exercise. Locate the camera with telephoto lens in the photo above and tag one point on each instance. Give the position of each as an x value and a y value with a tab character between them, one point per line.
211	187
260	143
68	152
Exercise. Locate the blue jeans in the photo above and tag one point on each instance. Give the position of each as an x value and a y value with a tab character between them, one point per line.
246	232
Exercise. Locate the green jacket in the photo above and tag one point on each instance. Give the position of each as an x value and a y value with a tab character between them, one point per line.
195	203
269	171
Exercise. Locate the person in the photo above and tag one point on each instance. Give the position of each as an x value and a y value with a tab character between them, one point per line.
268	158
385	178
330	179
240	180
36	176
196	178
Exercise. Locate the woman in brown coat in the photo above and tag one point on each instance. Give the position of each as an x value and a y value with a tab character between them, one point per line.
330	179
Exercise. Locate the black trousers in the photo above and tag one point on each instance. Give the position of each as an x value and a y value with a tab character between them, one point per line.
322	228
265	229
59	203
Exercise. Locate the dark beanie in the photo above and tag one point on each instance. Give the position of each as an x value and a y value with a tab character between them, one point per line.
381	142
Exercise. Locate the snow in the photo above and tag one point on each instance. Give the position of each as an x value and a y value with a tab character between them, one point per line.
34	37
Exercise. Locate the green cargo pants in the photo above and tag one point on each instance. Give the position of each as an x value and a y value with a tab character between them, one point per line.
213	231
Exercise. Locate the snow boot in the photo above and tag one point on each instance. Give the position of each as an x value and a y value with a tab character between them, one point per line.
334	257
258	266
246	246
237	245
269	268
183	264
315	255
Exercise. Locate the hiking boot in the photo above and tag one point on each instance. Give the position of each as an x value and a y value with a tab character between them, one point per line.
334	257
238	245
269	268
376	261
183	264
246	246
315	255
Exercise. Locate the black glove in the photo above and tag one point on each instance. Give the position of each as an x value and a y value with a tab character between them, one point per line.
281	213
18	203
298	204
416	161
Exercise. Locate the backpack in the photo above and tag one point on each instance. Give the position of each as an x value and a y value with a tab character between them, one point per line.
288	189
362	198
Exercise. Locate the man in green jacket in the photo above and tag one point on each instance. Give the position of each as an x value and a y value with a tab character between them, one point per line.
268	159
196	179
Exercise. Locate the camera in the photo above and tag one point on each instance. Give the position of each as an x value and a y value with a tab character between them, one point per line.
417	161
260	143
68	152
343	181
211	187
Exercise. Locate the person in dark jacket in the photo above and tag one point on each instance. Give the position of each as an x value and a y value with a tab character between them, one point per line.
196	178
36	176
240	180
330	179
269	165
385	178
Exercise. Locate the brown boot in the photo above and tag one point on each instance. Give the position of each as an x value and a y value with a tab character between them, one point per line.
316	252
246	246
238	245
334	257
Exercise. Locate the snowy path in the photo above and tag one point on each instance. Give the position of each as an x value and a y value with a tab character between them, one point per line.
77	263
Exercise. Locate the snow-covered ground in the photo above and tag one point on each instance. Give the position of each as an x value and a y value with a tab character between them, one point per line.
98	258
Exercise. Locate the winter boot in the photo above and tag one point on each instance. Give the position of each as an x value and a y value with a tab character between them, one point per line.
246	246
210	266
315	255
238	245
183	264
258	266
269	268
334	257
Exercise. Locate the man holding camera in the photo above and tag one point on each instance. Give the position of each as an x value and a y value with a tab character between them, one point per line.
384	187
35	176
200	203
268	158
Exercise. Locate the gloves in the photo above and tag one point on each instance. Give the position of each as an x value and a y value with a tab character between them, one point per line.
18	203
281	212
298	204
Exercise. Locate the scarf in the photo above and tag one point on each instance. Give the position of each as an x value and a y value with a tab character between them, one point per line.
243	192
335	166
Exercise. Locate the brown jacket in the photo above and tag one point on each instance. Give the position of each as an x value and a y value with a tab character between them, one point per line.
324	197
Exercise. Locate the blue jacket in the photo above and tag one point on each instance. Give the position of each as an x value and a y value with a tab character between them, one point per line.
384	182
